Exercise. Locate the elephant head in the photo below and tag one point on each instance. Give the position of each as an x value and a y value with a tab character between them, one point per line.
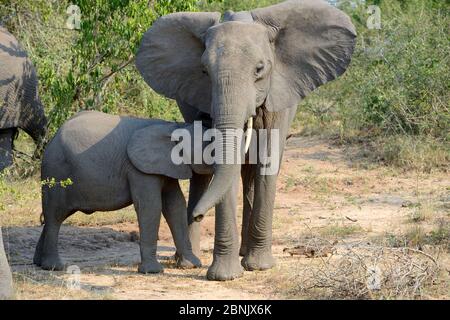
271	57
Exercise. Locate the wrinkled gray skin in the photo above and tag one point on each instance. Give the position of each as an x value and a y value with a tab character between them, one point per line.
5	273
261	64
20	106
114	162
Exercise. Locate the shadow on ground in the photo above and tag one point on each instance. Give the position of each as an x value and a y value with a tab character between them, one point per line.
81	246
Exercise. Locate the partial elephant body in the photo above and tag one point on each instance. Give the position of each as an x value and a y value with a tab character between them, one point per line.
5	273
20	106
6	145
257	64
90	149
114	162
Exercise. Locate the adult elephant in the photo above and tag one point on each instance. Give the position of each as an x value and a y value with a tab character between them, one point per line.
20	106
258	65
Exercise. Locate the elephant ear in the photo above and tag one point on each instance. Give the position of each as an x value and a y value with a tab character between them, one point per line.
150	148
169	57
313	44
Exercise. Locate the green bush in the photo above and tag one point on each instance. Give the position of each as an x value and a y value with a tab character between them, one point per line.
397	85
396	89
91	68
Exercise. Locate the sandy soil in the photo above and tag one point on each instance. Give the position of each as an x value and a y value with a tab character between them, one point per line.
324	191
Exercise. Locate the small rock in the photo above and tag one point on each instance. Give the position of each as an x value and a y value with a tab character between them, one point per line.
134	236
407	204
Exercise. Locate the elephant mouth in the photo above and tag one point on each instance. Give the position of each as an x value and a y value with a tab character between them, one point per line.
206	120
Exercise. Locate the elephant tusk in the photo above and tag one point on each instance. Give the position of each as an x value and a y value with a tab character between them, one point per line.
248	134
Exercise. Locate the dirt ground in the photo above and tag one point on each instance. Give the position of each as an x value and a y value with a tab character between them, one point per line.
336	213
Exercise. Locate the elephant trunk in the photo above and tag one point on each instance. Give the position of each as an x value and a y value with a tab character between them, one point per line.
224	175
230	108
34	123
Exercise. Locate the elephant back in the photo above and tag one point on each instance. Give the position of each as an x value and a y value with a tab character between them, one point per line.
19	101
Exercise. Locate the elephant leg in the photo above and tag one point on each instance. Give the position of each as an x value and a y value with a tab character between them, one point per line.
55	211
174	210
6	148
225	264
6	289
46	255
146	194
259	244
197	186
248	190
39	251
37	259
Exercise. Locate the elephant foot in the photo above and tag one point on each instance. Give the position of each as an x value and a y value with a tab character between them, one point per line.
151	267
258	260
6	291
53	263
188	261
225	268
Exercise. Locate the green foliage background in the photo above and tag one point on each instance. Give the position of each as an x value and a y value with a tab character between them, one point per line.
394	97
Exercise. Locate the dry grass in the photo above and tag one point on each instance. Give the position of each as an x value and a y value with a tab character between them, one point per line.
46	285
417	153
341	230
103	218
369	272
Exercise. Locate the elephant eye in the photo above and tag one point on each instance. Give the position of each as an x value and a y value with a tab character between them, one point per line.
204	71
259	68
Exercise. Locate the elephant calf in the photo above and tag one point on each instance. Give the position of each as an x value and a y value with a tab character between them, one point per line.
113	162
